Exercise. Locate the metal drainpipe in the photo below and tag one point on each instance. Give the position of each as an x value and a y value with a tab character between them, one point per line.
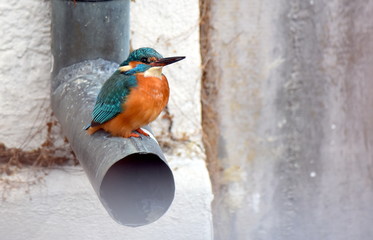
130	176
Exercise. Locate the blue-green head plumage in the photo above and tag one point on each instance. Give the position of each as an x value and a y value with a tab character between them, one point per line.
142	55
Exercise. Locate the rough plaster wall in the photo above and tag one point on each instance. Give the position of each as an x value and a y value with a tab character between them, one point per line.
162	26
297	155
63	205
25	63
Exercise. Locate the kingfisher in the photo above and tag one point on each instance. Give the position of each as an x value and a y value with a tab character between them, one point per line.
133	96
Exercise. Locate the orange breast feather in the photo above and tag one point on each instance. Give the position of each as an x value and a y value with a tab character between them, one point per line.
142	106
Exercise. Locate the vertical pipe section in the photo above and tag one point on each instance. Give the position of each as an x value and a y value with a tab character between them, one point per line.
89	30
130	176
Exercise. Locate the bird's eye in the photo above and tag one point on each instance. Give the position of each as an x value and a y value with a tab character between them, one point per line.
144	60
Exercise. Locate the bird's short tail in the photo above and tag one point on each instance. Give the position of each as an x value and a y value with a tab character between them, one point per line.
92	129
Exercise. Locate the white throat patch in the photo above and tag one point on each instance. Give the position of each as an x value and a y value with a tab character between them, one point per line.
124	68
154	72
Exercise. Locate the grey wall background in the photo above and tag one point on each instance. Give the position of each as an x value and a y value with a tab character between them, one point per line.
294	110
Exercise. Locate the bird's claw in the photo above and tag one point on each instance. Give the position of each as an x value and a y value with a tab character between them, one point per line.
135	135
139	130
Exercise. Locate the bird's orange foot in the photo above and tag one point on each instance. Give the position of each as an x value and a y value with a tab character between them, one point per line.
134	135
139	130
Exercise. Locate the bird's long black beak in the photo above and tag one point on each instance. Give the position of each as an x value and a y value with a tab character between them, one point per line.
165	61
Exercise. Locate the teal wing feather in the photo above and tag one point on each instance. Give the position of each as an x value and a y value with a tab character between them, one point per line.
111	97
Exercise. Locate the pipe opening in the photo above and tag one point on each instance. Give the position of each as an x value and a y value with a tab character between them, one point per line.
138	189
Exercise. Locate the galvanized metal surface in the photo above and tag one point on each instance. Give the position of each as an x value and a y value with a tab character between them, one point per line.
89	30
130	176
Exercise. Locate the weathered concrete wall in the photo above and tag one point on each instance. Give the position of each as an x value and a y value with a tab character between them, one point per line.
62	205
294	113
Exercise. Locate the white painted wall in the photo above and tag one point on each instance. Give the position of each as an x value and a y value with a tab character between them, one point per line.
63	205
25	63
172	27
